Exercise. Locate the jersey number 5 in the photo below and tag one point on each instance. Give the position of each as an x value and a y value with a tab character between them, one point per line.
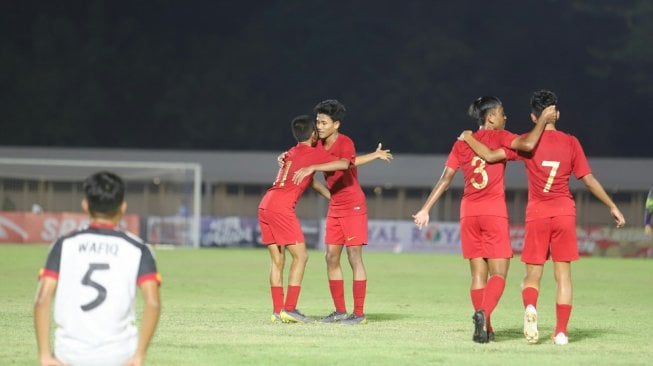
554	170
101	290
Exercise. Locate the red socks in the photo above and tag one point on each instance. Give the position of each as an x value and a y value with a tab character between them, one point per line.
360	288
291	297
563	312
477	297
277	298
493	291
337	288
529	296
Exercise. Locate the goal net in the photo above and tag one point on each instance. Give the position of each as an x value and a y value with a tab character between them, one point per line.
40	199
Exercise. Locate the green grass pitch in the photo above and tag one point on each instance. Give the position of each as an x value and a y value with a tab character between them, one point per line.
216	311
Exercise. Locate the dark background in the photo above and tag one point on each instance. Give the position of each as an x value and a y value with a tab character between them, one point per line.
230	75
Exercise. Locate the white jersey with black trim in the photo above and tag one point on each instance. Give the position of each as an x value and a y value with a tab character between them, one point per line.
98	270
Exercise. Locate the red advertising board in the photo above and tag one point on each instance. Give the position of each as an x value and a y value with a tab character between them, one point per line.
28	227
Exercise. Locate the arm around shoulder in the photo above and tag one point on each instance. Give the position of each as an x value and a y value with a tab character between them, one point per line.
480	149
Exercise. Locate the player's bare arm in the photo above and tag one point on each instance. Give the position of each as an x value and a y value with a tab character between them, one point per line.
421	218
527	143
597	190
42	314
321	189
300	174
151	313
380	153
480	149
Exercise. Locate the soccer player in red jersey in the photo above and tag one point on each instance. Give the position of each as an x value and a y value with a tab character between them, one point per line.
483	214
551	213
280	227
346	222
95	272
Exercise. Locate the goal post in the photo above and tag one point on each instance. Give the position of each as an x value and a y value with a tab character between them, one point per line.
160	193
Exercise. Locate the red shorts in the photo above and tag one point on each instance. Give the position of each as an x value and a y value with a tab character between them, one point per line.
485	237
279	228
349	230
553	237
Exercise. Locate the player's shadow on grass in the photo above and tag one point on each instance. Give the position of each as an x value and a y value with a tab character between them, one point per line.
576	335
380	317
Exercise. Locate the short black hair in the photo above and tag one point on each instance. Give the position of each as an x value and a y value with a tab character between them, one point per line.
331	108
542	99
481	106
105	192
302	127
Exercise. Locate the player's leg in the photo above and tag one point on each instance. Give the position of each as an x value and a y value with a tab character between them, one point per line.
277	260
336	283
355	228
473	250
295	276
496	283
359	286
495	234
564	292
537	236
479	271
564	250
530	293
334	234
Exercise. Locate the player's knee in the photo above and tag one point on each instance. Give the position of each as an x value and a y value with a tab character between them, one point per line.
302	258
332	258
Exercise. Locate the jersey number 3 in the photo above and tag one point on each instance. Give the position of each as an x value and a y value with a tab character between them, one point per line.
479	169
101	290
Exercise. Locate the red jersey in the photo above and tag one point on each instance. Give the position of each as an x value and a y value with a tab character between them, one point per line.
548	167
284	194
347	197
484	183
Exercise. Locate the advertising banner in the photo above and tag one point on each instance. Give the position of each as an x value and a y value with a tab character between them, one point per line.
237	231
404	236
28	227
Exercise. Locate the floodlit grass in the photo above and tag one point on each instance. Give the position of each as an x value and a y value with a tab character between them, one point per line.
216	310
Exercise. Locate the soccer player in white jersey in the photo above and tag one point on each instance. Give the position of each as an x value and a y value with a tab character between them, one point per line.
95	272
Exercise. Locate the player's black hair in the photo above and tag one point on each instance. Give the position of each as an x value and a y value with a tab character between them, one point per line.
302	127
480	108
542	99
331	108
105	192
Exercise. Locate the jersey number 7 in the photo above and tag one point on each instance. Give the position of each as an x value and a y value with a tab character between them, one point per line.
554	170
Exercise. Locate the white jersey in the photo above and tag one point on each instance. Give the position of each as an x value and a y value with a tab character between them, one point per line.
98	270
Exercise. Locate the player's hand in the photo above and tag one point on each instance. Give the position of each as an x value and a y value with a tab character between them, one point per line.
302	173
618	217
135	361
550	114
464	134
49	360
281	158
421	219
383	154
